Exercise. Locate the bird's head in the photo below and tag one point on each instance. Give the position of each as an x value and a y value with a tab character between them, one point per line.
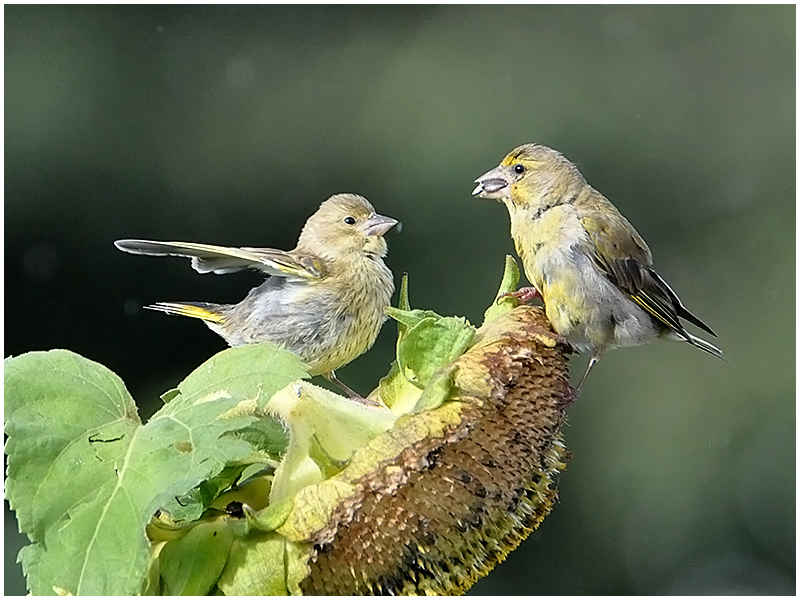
343	225
526	175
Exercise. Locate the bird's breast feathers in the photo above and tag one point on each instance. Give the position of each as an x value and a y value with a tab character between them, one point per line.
546	241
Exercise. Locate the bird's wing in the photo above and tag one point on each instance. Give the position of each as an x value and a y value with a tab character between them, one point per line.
222	260
626	260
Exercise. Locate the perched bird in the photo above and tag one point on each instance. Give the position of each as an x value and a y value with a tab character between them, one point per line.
591	268
325	300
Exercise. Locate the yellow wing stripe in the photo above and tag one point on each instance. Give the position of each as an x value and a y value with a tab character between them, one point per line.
652	308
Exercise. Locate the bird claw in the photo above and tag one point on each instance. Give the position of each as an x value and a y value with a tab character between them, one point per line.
367	401
570	395
523	295
352	394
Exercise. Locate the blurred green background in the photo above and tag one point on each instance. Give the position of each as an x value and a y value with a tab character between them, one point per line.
229	125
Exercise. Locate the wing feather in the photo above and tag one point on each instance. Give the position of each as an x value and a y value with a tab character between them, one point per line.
626	260
221	260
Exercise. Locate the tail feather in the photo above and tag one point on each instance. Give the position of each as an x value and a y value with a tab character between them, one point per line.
199	310
704	345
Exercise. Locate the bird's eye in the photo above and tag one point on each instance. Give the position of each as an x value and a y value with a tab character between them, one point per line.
350	220
519	169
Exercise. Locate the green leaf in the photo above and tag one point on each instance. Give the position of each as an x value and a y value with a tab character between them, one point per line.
250	375
394	389
264	564
266	435
70	423
268	439
430	344
253	372
272	517
410	318
426	342
191	564
438	389
402	302
169	395
509	283
190	506
397	392
51	399
85	476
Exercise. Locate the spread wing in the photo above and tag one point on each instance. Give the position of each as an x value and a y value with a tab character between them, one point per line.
222	260
626	260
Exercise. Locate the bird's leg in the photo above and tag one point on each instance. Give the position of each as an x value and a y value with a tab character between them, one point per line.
592	362
524	294
331	376
573	392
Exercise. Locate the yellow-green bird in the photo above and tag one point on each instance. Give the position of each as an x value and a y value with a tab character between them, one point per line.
325	300
591	268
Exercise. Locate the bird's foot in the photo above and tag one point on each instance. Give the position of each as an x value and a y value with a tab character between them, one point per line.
352	394
523	295
573	392
366	401
570	395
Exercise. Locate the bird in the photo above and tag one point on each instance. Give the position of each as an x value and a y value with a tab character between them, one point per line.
586	262
325	300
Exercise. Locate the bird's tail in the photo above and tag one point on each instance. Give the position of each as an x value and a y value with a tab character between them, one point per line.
704	345
210	313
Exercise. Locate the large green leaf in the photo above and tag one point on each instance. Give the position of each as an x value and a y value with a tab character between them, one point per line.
426	342
85	476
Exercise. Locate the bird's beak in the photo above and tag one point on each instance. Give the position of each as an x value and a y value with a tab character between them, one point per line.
378	225
492	184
